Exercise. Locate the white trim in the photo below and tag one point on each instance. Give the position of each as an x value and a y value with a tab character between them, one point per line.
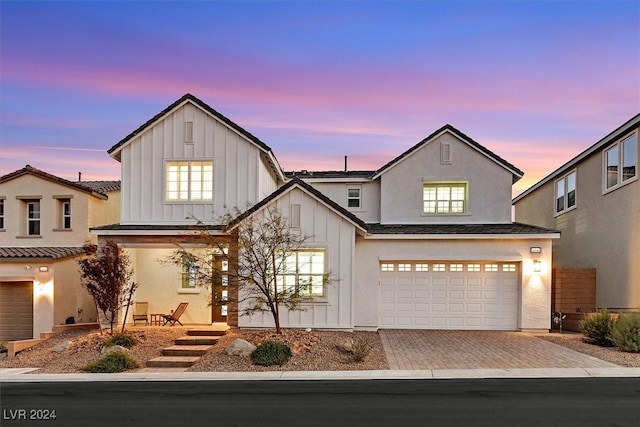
620	146
141	232
485	257
461	236
566	193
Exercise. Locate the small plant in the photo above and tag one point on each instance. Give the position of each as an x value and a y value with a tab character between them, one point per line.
626	333
271	353
114	362
123	340
598	327
3	348
360	349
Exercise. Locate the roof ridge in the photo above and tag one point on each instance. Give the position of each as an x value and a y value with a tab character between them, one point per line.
28	169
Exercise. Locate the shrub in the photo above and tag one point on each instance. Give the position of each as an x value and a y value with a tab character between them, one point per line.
357	349
123	340
271	353
598	327
626	333
113	362
3	348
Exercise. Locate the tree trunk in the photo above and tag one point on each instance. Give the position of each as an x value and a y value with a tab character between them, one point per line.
275	294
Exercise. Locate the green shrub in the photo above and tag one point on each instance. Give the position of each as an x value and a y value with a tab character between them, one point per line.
598	327
271	353
123	340
3	347
114	362
626	333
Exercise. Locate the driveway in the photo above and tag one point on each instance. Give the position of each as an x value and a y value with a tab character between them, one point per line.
435	349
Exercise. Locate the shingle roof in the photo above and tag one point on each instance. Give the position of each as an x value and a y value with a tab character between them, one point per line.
517	173
304	174
39	252
508	228
154	227
96	190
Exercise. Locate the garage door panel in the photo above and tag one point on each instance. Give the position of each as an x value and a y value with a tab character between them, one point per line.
455	294
16	311
420	294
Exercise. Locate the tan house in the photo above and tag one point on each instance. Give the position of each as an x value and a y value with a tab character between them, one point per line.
426	241
44	222
594	200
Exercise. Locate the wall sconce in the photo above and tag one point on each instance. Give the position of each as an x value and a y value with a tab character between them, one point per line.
537	266
43	269
535	249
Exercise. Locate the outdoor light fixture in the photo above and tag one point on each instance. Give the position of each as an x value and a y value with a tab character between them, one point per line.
535	249
43	269
537	266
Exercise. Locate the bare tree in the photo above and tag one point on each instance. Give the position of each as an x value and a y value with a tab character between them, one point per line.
263	269
105	273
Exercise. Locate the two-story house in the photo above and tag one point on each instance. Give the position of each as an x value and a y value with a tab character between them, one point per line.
594	200
426	241
44	222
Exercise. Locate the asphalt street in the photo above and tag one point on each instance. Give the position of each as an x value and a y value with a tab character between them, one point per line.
456	402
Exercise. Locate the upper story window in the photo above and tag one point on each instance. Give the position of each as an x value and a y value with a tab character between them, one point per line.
304	273
621	162
189	181
566	192
444	198
354	197
33	217
64	212
1	214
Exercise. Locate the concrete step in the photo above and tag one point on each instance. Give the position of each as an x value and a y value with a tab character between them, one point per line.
209	331
186	350
172	362
196	340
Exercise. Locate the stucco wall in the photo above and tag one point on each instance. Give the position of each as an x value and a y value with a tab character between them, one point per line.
337	191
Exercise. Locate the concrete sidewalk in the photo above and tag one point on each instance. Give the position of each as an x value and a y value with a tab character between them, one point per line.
22	375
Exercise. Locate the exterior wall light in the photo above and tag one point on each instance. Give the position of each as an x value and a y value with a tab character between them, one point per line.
43	269
535	249
537	266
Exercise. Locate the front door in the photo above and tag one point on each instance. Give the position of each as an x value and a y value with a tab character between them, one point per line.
220	292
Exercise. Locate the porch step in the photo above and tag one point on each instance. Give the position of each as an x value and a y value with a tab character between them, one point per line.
209	331
186	350
196	340
172	361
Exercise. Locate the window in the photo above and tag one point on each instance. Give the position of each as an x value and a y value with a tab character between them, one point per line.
508	267
566	192
404	267
1	214
354	198
422	267
189	181
33	218
304	273
456	267
386	266
491	267
64	213
189	272
621	162
473	267
444	198
439	267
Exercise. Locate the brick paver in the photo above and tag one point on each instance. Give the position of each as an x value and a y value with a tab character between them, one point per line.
435	349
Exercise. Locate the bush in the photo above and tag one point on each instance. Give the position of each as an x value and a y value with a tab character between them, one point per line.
357	349
114	362
123	340
626	333
598	327
271	353
3	348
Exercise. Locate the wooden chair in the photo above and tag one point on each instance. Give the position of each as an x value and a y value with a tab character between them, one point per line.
141	312
174	317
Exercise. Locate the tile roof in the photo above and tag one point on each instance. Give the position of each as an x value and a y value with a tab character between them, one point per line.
508	228
97	190
39	252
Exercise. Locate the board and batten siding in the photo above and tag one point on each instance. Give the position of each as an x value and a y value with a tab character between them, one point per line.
329	231
240	177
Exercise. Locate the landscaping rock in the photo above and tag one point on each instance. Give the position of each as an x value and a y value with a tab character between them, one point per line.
240	347
112	349
62	346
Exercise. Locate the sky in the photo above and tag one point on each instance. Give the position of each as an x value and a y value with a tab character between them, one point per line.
536	82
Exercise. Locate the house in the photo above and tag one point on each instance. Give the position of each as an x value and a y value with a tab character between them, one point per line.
594	200
44	222
425	241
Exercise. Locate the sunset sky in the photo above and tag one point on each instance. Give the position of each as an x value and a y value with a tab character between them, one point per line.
535	82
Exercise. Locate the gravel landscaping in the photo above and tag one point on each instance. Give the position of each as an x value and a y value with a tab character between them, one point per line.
313	351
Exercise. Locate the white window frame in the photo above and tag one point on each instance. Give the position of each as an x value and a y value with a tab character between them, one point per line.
2	205
296	273
564	184
619	163
35	218
357	198
186	184
189	272
387	266
438	203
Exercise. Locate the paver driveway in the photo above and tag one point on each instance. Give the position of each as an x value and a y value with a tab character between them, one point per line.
434	349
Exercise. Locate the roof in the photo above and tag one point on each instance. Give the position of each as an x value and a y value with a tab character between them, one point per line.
620	131
39	252
462	229
154	227
295	181
305	174
95	188
114	151
517	173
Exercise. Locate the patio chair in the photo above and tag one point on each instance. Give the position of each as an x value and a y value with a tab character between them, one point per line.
174	317
140	312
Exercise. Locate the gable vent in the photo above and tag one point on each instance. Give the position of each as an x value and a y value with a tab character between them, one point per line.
188	132
445	153
295	216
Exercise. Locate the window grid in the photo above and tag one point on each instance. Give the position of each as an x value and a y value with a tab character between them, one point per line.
473	267
491	267
1	214
189	272
189	181
508	267
422	267
304	272
444	198
354	198
456	267
439	267
404	267
33	218
386	267
66	214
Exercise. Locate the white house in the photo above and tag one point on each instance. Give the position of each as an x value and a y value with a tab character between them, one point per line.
426	241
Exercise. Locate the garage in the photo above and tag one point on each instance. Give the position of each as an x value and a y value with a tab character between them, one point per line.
471	295
16	311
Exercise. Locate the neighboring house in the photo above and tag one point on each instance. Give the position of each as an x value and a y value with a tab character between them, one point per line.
594	200
426	241
44	222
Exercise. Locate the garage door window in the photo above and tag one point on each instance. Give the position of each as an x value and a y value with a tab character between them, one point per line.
455	267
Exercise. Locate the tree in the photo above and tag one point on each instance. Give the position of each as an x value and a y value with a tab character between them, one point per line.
105	274
266	243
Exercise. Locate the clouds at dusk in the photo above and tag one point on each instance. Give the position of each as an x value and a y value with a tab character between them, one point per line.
535	82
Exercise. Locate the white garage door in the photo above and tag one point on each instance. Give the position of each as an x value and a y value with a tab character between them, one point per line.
449	295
